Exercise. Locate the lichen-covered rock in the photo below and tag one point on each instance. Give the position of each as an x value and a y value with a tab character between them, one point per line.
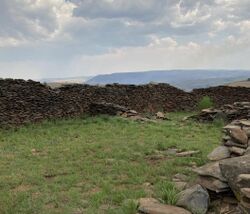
213	184
194	199
239	136
232	168
211	169
219	153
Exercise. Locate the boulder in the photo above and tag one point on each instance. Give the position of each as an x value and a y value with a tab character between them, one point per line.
213	184
244	177
237	150
245	123
232	168
219	153
161	116
239	136
231	143
194	199
211	169
152	206
245	192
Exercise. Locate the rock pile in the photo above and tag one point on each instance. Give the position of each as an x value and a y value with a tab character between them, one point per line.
104	108
28	101
237	110
229	172
222	95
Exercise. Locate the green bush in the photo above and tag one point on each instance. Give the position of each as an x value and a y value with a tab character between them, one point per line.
205	102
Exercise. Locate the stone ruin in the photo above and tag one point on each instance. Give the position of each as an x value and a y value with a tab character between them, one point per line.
28	101
237	110
103	108
227	176
225	181
222	186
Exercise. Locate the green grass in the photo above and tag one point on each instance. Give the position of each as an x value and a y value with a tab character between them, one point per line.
169	193
94	165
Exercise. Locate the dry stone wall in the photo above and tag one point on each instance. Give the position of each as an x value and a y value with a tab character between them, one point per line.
228	173
28	101
222	95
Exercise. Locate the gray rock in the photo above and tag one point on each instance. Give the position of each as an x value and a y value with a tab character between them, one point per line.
245	122
187	153
245	206
172	151
237	150
232	168
180	177
211	169
245	192
244	177
161	116
194	199
219	153
243	180
232	143
230	127
152	206
247	131
238	136
180	185
247	151
213	184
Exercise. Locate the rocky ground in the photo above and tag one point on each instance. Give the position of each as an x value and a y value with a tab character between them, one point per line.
235	111
223	185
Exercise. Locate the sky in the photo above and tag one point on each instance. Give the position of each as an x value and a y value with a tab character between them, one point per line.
66	38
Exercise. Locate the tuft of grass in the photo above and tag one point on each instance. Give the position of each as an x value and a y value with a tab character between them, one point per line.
205	102
169	193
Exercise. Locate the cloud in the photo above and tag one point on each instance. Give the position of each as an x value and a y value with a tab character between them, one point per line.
81	37
32	20
166	53
112	9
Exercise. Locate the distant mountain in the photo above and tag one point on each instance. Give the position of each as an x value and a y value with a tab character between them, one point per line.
245	84
184	79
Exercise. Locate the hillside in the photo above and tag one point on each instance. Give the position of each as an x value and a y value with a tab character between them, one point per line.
184	79
240	84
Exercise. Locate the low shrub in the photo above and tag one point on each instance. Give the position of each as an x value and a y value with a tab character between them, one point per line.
205	102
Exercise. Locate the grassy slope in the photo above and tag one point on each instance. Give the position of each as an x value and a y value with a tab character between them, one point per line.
92	165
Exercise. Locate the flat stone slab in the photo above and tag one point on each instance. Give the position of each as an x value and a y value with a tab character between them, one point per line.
219	153
152	206
187	153
232	168
237	150
213	184
239	136
211	169
245	192
195	199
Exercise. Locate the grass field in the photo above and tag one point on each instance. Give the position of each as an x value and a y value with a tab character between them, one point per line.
96	165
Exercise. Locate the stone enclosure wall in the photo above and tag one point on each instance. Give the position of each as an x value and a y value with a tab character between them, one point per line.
28	101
